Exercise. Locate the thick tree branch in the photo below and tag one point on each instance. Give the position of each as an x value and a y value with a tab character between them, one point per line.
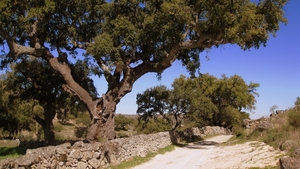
17	50
106	69
35	42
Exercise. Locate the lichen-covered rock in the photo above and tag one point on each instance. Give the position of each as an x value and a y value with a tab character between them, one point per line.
82	165
264	125
297	153
27	160
77	145
95	163
289	145
76	154
289	163
6	163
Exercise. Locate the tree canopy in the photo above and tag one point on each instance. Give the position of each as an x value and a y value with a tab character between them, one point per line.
123	40
204	100
15	114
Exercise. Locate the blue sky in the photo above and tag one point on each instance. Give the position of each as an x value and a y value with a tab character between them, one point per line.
276	67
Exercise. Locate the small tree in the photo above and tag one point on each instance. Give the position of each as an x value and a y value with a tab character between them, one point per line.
204	100
273	108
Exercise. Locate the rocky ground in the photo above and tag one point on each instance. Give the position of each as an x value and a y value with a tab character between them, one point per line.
209	154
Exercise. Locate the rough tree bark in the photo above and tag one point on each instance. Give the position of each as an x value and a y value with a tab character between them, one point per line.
102	126
47	124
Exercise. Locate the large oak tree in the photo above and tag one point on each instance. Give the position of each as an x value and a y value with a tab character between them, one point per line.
125	39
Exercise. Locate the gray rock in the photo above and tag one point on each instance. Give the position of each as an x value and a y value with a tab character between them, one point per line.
81	165
27	160
297	153
92	147
6	163
96	154
78	144
289	145
289	163
87	155
76	154
43	152
63	157
264	125
94	163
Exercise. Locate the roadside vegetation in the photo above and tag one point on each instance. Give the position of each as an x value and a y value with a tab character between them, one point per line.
284	127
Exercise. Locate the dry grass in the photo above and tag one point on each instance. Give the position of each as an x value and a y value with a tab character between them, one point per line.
282	130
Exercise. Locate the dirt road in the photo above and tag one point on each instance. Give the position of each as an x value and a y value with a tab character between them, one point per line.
208	155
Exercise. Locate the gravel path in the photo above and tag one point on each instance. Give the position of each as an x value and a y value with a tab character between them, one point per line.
207	155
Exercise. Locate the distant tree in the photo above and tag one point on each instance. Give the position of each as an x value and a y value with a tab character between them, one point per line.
15	114
122	122
273	108
153	126
124	40
297	102
204	100
160	102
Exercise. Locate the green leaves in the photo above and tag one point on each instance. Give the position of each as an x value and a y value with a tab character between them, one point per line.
205	100
103	46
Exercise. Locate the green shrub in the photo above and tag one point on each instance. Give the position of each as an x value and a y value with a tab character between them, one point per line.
239	131
274	137
122	122
80	132
59	136
58	127
122	134
84	119
293	117
154	126
11	152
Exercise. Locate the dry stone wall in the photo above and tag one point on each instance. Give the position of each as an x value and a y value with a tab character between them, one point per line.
89	155
205	131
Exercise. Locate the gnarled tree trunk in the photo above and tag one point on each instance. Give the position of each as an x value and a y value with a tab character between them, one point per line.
47	124
103	126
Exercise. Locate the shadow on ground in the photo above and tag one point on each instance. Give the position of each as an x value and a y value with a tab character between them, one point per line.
201	144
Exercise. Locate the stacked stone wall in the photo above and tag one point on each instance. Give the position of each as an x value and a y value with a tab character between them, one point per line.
205	131
89	155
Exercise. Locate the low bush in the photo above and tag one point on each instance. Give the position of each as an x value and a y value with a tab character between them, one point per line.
153	126
11	152
294	116
80	132
58	127
286	126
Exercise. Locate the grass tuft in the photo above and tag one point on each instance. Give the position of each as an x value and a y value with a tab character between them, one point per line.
11	152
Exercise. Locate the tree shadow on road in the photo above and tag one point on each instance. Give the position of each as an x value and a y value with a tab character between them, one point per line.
197	145
201	145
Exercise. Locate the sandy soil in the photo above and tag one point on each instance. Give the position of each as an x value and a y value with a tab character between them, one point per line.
209	155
